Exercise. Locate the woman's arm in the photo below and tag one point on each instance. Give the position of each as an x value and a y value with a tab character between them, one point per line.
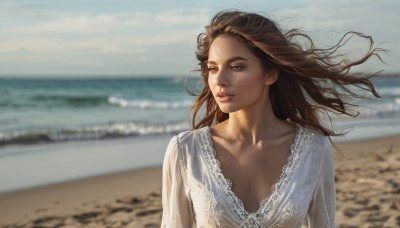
177	210
323	206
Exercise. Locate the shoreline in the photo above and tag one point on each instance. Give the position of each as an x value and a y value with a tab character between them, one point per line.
47	164
367	182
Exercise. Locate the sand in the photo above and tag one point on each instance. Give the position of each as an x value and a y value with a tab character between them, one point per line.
368	183
79	196
368	194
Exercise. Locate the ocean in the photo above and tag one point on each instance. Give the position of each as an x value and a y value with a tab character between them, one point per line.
47	114
34	111
55	110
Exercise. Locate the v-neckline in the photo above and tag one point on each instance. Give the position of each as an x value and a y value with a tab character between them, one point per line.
226	184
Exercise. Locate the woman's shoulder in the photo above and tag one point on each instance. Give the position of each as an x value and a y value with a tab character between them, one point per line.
315	136
190	135
184	144
190	138
315	141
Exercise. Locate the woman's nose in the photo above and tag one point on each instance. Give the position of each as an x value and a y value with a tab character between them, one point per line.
221	78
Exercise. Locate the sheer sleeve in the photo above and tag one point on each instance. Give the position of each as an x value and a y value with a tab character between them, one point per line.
323	206
176	205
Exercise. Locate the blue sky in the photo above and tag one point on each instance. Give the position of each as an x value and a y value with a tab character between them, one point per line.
121	37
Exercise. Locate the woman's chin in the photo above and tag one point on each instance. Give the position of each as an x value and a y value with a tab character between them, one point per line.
227	109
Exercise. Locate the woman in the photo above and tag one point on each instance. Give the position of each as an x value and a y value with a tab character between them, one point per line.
259	156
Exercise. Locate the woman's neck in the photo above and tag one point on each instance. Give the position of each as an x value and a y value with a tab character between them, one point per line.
255	124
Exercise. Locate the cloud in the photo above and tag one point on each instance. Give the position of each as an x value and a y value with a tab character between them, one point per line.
327	21
343	15
111	44
40	34
27	13
89	23
119	32
100	42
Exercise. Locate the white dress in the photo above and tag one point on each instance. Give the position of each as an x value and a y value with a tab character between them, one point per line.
195	192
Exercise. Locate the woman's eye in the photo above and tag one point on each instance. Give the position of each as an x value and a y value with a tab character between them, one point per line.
212	69
237	68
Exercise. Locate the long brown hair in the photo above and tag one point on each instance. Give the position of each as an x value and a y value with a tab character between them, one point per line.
310	81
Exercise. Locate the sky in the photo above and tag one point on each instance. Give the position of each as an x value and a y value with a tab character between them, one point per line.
136	38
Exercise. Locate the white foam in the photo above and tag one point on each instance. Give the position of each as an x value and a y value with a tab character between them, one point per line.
149	103
97	132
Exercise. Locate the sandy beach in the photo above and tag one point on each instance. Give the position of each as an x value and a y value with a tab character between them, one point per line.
368	194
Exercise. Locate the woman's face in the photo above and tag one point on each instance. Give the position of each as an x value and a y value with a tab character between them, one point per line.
235	75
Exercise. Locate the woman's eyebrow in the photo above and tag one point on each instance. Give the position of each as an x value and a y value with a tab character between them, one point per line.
229	60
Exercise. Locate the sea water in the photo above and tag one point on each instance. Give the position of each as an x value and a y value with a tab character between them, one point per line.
55	110
58	129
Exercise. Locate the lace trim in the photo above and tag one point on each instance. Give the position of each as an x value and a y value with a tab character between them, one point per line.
300	144
250	222
213	215
226	184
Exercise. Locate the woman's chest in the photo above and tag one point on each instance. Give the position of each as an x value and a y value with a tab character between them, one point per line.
252	174
215	204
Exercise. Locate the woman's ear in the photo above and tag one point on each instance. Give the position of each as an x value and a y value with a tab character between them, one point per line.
271	76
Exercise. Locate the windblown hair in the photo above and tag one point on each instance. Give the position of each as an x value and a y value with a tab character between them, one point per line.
310	80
